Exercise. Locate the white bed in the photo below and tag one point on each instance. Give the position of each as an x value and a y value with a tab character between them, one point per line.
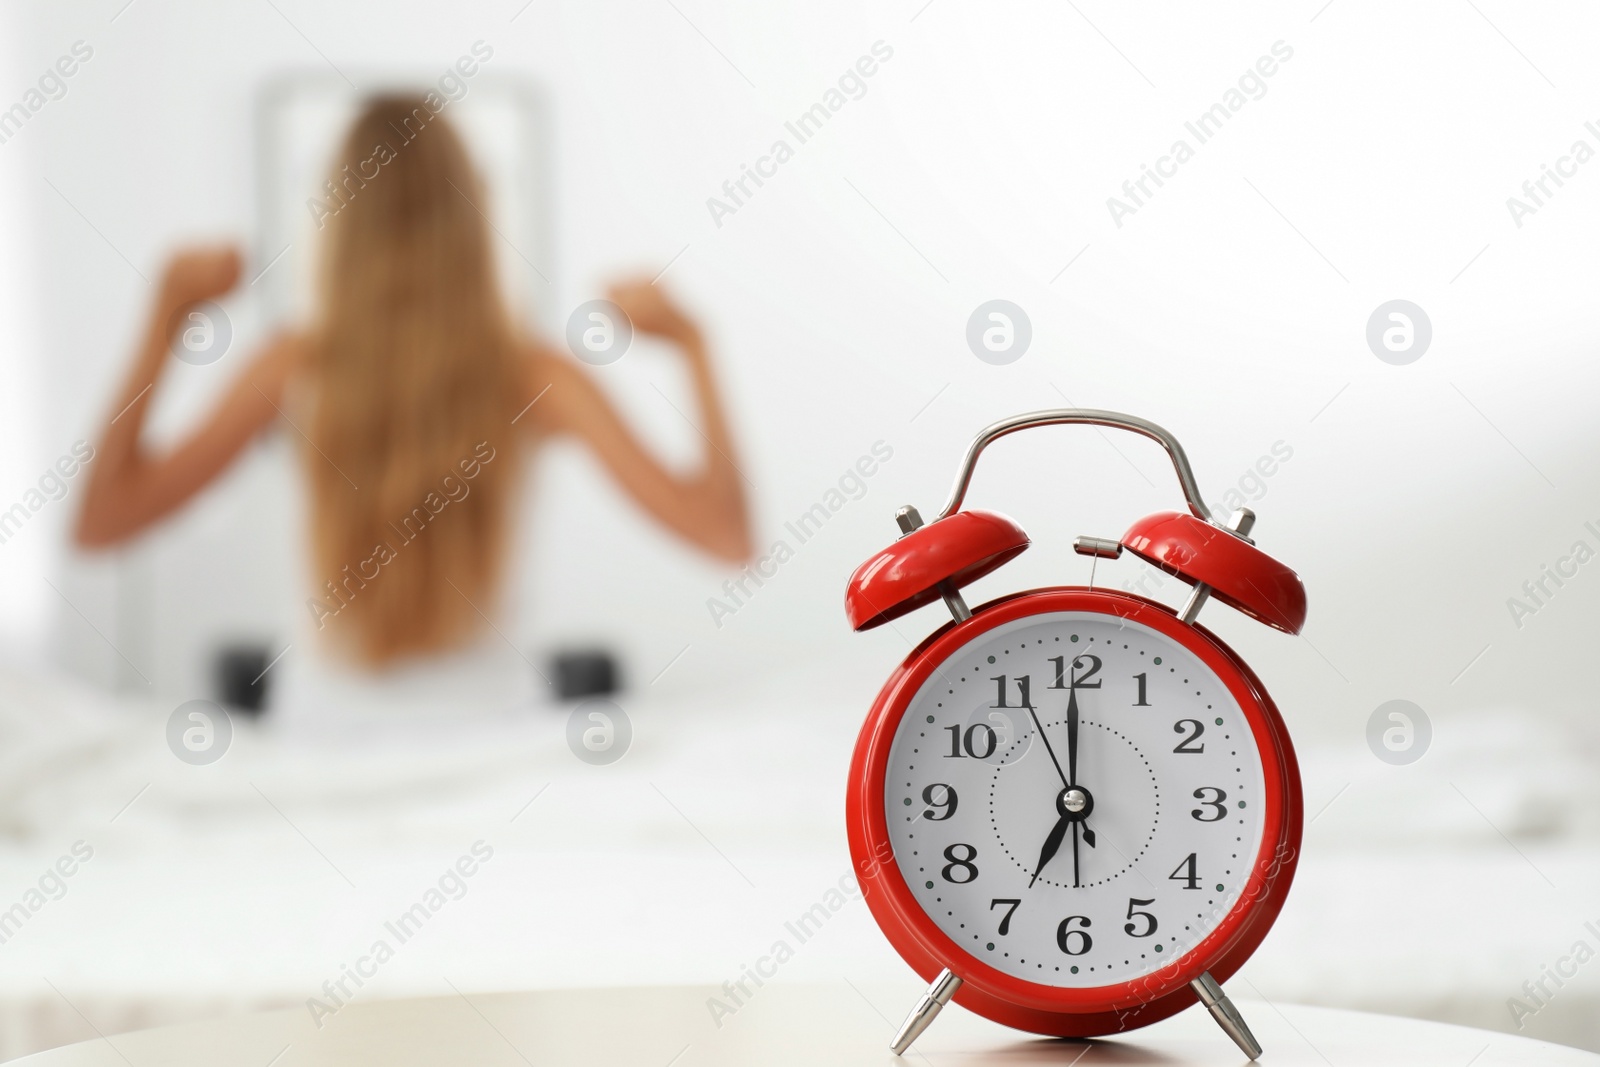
253	881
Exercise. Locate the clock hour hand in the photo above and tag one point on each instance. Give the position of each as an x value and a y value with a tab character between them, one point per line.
1074	806
1075	815
1052	845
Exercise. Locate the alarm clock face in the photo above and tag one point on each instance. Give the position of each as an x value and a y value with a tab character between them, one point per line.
1075	799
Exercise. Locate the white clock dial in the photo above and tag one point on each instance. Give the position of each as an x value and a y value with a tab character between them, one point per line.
1164	779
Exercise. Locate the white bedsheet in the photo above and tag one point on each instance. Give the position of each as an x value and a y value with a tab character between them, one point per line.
1434	890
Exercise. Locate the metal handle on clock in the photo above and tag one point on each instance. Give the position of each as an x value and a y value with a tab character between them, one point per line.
1086	416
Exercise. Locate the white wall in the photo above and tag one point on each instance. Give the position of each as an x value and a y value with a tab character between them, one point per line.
22	558
1231	308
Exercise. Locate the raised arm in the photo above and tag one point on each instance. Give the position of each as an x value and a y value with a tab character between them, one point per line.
708	507
129	488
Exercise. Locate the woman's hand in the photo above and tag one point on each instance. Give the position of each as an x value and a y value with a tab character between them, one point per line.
129	488
651	310
706	507
198	273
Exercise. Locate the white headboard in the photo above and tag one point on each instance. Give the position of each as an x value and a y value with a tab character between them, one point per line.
302	117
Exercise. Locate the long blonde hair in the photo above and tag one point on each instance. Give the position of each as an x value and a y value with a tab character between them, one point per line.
414	379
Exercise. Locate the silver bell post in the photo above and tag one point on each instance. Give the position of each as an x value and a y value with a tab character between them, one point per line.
1242	522
910	519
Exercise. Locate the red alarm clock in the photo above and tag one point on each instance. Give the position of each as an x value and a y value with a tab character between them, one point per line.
1074	810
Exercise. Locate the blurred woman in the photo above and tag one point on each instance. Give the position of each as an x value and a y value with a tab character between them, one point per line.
409	395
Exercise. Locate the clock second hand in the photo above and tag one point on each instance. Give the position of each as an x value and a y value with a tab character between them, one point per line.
1046	738
1052	842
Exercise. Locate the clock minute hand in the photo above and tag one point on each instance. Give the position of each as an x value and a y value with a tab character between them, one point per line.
1072	763
1072	737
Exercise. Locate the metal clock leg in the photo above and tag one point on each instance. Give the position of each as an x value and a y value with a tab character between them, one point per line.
1227	1016
938	995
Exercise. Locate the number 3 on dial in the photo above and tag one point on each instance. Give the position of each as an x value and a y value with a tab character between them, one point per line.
1215	803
